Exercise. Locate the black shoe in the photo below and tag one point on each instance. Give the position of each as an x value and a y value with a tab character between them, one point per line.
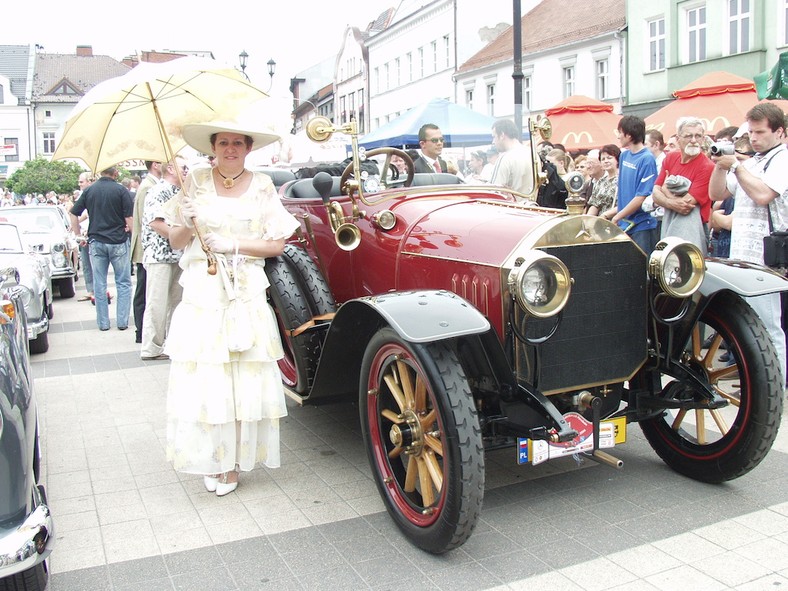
122	327
138	339
727	358
707	343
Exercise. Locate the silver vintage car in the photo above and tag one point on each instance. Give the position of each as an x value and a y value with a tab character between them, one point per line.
26	526
46	229
34	286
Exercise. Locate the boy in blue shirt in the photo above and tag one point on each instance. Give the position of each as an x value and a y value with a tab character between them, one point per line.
636	175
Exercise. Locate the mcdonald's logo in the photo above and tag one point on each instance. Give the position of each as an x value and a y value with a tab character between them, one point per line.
710	124
577	138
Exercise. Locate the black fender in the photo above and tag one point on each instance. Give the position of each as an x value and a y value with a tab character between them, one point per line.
417	316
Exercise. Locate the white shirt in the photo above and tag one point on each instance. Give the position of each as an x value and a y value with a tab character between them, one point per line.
750	222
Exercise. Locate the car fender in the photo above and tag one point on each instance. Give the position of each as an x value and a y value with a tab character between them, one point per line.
745	279
417	316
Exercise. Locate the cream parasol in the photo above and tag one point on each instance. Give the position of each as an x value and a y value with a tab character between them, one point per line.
139	115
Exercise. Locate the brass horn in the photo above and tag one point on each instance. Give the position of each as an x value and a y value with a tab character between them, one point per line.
543	126
346	234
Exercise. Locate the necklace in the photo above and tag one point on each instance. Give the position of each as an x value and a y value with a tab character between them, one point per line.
229	183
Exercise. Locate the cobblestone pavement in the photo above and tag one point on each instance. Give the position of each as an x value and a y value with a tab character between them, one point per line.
125	520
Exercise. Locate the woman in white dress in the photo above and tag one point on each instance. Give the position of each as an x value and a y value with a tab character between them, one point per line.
225	398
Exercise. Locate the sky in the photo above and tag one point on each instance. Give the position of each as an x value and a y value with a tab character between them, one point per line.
296	34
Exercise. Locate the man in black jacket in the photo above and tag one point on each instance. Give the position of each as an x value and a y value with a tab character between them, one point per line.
431	142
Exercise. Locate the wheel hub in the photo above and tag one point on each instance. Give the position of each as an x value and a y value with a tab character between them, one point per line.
408	433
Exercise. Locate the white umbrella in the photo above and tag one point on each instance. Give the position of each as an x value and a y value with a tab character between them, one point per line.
140	114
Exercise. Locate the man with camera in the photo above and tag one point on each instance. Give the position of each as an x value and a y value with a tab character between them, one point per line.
682	187
759	187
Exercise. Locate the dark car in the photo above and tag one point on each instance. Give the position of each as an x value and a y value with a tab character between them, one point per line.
26	528
467	318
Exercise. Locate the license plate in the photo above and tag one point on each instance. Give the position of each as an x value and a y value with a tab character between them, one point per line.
30	334
537	451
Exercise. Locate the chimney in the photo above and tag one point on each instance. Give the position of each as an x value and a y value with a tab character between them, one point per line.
85	50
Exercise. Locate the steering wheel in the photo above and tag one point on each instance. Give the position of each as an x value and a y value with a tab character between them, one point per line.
387	180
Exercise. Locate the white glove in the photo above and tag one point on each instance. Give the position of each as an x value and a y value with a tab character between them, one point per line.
188	211
219	243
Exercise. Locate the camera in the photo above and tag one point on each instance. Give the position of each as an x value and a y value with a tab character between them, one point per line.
721	149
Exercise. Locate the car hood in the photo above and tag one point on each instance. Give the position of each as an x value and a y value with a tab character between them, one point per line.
482	231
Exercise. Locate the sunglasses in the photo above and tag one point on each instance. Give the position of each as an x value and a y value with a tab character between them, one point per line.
437	140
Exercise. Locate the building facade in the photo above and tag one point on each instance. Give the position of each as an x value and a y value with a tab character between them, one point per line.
580	51
17	129
673	42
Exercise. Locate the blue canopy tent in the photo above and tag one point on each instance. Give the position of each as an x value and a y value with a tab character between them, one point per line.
459	125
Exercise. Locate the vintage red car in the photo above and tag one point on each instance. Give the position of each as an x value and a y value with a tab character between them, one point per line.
465	318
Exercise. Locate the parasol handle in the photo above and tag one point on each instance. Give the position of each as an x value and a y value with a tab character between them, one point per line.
206	249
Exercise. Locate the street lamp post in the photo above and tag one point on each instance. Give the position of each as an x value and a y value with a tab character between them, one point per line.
271	71
243	57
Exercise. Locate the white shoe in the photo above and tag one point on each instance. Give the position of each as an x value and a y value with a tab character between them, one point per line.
210	483
225	488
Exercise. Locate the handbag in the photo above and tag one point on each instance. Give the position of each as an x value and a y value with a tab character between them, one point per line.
775	245
237	317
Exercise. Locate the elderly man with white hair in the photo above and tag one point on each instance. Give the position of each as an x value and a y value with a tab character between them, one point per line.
682	187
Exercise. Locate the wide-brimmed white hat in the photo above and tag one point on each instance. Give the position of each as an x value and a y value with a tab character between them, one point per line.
198	135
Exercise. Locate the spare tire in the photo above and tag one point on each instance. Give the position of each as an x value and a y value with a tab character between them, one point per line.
292	309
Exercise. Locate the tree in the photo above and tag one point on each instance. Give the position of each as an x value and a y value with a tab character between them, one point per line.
41	176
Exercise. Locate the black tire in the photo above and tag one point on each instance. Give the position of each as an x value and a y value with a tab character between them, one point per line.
292	309
437	507
33	579
742	433
66	287
40	344
320	298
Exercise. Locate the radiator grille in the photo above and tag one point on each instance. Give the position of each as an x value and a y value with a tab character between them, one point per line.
602	335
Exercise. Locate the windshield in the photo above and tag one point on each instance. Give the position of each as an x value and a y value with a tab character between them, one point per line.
9	239
32	220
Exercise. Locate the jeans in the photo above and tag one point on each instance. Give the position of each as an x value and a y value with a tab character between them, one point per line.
87	268
101	255
646	240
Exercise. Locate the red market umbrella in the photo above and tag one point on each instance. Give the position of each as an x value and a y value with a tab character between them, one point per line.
582	123
719	99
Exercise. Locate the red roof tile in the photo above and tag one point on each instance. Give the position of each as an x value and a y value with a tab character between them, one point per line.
552	23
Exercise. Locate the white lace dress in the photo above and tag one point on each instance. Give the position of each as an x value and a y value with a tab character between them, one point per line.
223	408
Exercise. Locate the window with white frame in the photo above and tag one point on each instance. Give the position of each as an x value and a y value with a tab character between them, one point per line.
387	76
696	34
491	100
447	50
739	17
397	73
376	80
527	92
12	141
434	48
469	98
602	78
569	81
409	66
656	44
49	142
421	62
